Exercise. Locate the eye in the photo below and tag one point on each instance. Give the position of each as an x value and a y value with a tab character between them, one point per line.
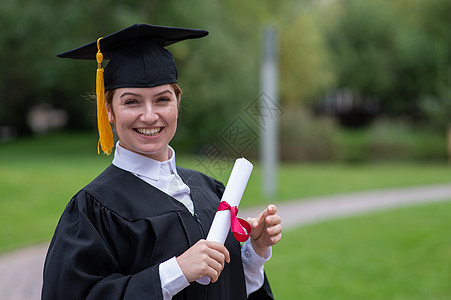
130	101
163	99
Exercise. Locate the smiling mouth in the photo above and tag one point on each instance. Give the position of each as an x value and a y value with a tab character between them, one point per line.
149	132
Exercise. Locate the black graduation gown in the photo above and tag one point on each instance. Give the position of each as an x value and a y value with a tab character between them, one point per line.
116	231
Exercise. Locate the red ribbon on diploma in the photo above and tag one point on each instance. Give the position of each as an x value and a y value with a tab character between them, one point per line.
240	228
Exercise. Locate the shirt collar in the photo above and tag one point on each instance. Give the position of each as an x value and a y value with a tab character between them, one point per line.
144	166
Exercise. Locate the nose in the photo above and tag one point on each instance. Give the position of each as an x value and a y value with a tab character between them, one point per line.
149	114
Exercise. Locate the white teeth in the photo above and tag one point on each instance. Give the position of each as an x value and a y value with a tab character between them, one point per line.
149	132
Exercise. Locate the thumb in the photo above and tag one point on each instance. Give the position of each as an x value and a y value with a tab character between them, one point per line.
253	222
256	228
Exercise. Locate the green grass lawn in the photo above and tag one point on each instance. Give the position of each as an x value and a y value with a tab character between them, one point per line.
39	176
399	254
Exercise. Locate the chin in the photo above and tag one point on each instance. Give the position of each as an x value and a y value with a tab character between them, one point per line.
151	152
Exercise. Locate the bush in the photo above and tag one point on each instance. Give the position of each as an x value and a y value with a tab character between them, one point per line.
305	138
388	141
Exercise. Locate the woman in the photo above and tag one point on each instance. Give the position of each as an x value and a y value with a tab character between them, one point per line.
138	230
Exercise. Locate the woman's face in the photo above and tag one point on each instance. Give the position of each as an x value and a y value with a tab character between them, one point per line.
145	119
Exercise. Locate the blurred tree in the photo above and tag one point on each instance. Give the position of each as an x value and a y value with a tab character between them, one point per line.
219	77
362	44
305	65
395	51
30	74
425	58
218	74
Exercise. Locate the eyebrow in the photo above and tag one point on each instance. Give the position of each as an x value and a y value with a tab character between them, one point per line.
138	95
163	92
130	94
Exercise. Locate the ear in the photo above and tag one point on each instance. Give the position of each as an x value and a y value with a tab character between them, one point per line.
110	113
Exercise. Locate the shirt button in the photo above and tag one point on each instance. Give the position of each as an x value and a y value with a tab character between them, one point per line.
164	167
247	254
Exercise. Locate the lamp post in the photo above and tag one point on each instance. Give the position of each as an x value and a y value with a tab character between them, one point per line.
269	113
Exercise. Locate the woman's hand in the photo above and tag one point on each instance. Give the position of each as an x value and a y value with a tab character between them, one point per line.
205	258
266	230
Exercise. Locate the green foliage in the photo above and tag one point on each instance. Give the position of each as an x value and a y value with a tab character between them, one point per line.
306	138
390	141
216	73
306	68
438	108
400	254
395	51
362	45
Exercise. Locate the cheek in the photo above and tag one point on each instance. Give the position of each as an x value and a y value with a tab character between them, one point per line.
174	117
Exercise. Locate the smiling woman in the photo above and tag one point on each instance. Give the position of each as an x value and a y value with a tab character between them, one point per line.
138	230
145	119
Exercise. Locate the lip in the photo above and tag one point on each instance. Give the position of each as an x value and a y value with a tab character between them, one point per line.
148	134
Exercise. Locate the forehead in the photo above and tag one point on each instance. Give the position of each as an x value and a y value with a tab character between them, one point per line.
144	92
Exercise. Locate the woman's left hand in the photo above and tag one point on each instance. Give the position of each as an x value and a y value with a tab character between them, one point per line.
266	230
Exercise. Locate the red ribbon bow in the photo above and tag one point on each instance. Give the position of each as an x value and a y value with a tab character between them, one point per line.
240	228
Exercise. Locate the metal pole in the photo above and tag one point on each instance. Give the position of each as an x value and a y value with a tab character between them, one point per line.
269	113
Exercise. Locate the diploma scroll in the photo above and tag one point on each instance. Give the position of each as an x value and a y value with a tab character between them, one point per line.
232	195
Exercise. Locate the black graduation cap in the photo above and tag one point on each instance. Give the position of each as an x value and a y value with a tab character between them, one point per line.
137	59
137	55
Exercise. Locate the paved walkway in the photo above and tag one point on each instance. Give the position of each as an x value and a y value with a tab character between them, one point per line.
21	271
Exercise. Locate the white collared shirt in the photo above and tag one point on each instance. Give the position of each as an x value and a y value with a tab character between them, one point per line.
164	176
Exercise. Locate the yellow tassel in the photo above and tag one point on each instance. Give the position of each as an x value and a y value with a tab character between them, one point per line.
106	140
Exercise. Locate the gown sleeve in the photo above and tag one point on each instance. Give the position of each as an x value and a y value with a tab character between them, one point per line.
90	257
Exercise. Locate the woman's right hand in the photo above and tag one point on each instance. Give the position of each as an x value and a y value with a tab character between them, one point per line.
205	258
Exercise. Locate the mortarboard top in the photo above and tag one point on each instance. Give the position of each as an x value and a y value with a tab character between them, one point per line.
137	55
137	59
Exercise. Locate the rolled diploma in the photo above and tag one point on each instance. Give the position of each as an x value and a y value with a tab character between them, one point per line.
232	195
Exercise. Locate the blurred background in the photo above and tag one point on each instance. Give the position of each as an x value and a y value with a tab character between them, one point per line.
363	103
350	69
